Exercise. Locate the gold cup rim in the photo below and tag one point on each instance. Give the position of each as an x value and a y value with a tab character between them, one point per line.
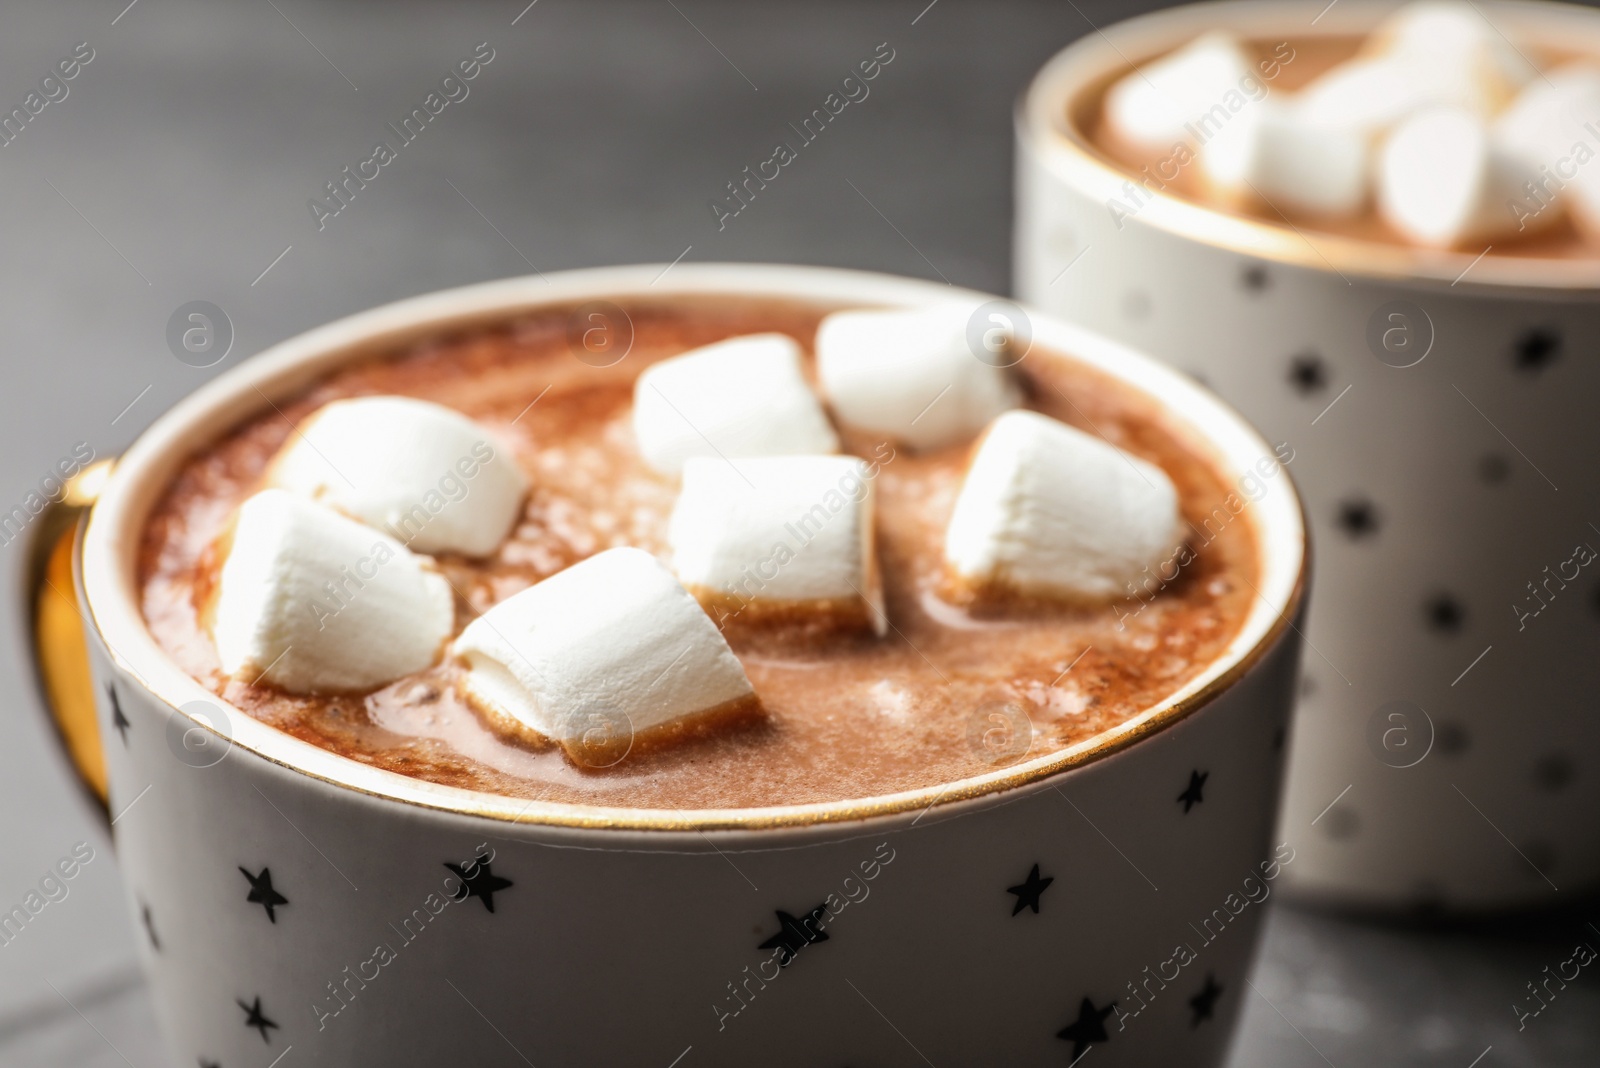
110	542
1045	130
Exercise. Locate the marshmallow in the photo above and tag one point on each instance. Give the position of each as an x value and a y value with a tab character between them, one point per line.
598	654
425	473
1455	38
1272	151
1549	126
1437	52
312	602
1426	54
1548	117
1047	510
785	533
918	375
1151	108
1367	95
744	396
1443	181
1370	95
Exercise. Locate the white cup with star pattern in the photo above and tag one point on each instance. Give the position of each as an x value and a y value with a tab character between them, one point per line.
1438	408
300	907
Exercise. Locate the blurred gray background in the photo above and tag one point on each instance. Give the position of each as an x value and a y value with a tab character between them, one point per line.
179	168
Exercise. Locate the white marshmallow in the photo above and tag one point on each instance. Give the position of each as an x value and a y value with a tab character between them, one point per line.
1454	36
1443	181
1430	54
1047	510
1272	151
1548	117
312	602
1555	127
1151	108
598	654
745	396
917	375
782	532
1367	95
424	473
1375	91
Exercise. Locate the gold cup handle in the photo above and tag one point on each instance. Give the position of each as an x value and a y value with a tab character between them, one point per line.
60	640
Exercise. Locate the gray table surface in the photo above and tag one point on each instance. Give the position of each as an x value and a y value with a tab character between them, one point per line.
179	168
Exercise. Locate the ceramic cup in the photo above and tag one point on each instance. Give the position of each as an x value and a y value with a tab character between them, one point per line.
1439	404
297	905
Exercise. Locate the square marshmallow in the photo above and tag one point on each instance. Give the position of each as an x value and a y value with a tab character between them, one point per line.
786	533
313	602
424	473
1047	510
745	396
1444	179
927	377
1153	108
598	654
1273	153
1545	124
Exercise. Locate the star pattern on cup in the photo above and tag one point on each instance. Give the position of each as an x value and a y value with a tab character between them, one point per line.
1193	794
1029	891
118	720
149	922
262	892
1204	1003
795	933
1088	1028
477	880
255	1018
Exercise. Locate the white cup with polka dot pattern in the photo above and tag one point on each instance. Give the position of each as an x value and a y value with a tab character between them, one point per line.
296	907
1440	408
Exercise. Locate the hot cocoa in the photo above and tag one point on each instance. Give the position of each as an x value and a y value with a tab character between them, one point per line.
913	680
